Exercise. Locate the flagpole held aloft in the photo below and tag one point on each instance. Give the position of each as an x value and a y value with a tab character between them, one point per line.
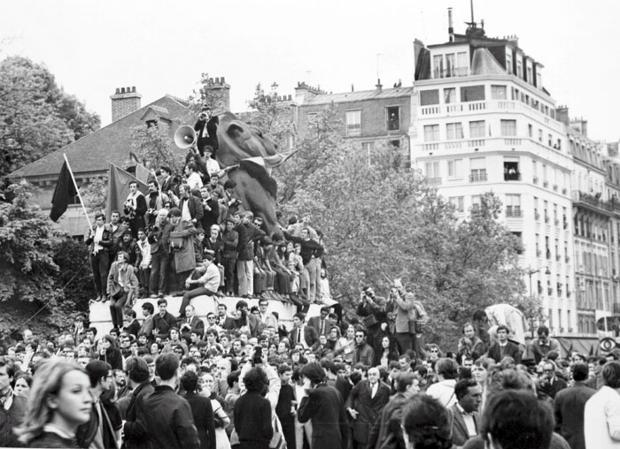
90	226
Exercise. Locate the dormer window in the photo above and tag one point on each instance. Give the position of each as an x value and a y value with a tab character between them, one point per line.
151	123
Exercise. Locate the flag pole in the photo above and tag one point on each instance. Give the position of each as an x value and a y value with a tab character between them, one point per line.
90	226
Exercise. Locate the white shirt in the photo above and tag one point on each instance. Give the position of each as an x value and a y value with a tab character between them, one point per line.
373	389
601	420
211	278
212	165
443	391
98	237
194	181
185	215
469	421
145	249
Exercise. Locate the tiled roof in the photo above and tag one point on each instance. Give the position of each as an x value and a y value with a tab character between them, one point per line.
94	152
360	95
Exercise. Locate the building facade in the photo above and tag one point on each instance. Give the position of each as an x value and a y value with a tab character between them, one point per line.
482	121
370	118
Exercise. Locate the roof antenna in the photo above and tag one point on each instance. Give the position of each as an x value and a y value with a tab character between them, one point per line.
471	7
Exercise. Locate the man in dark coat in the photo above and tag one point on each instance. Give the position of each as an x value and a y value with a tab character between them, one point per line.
301	333
503	347
324	408
168	419
285	406
202	410
206	130
252	414
569	405
367	399
387	428
133	430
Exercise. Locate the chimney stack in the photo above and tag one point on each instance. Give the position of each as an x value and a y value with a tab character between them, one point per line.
125	100
379	86
220	91
450	26
561	115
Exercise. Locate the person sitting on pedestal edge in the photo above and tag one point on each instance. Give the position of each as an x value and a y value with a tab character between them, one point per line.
204	280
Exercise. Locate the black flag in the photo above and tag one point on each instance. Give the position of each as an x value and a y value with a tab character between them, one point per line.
63	193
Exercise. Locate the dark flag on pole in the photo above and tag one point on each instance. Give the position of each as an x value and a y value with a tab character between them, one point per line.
118	188
64	193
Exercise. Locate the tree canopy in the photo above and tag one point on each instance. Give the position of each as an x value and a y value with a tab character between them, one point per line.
37	116
43	271
381	221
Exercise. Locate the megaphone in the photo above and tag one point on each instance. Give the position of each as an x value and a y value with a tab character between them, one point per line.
184	137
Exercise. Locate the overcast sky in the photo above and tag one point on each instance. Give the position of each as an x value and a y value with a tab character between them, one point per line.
161	47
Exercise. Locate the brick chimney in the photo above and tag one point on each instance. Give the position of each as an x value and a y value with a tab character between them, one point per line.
218	93
125	101
561	115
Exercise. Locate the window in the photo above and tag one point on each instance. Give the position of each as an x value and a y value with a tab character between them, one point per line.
530	77
455	168
540	135
461	63
394	143
428	97
368	147
509	68
458	202
513	205
432	172
498	92
472	93
354	123
450	67
476	129
511	171
393	118
530	130
476	202
449	95
438	66
454	131
509	128
477	170
431	133
519	68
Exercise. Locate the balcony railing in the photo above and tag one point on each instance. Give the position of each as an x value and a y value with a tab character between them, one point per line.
491	105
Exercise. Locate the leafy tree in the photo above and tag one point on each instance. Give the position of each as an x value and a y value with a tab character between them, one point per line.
153	146
36	116
381	221
36	268
95	194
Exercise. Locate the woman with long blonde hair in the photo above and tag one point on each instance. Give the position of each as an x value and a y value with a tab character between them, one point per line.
59	401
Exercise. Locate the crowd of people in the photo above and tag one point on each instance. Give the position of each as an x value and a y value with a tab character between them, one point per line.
246	379
190	235
243	380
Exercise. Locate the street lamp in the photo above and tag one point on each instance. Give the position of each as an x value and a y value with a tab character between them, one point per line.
530	272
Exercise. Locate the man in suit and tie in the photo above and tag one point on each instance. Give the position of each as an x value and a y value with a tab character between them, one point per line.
322	324
503	347
302	334
464	413
225	321
191	323
367	399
